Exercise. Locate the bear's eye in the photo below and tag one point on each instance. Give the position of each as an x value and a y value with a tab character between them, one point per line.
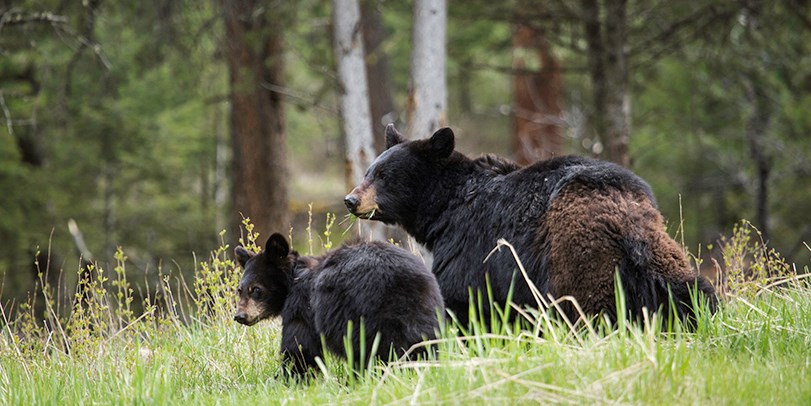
255	291
239	291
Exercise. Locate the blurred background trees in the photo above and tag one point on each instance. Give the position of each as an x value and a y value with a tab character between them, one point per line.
154	124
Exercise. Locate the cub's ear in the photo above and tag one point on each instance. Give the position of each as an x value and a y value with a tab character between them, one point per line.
277	246
242	255
442	143
393	137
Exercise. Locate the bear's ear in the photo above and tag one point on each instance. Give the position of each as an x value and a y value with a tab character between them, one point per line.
277	246
242	255
441	143
393	137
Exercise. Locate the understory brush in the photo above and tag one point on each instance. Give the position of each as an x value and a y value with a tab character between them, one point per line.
184	346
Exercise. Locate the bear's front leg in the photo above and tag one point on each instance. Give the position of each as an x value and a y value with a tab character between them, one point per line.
300	347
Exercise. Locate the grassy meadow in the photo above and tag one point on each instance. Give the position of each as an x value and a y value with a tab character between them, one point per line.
185	348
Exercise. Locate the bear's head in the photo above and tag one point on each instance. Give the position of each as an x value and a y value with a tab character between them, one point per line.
398	181
265	281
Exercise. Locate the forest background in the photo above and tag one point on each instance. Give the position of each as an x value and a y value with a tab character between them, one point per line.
154	124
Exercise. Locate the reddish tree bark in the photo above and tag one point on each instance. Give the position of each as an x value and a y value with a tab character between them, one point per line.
253	50
537	88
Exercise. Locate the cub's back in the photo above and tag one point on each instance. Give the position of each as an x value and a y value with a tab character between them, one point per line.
387	288
374	276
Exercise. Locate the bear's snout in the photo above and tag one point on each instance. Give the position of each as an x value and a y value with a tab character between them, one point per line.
351	203
362	199
241	318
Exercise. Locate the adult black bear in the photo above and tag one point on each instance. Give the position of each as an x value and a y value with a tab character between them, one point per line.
574	222
384	287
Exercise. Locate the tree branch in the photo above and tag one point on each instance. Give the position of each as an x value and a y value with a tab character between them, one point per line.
18	17
6	114
669	46
799	12
297	98
666	37
522	71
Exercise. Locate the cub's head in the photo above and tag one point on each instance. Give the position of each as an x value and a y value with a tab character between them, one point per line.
399	179
265	281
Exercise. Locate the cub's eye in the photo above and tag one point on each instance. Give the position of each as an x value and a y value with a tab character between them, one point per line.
239	291
255	291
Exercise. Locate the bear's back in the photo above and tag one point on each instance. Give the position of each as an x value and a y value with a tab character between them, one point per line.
513	205
592	173
385	286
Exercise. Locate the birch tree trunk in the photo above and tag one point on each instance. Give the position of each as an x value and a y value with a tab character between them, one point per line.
254	53
381	103
428	94
354	98
353	90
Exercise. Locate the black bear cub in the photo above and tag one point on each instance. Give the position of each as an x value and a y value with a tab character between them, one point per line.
384	287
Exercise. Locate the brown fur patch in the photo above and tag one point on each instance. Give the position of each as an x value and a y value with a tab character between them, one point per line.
308	262
367	198
253	310
586	228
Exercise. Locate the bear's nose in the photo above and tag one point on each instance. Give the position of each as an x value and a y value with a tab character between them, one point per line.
351	202
240	318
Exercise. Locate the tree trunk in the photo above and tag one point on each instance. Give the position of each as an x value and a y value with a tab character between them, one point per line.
608	69
537	88
353	90
354	98
465	77
428	94
756	126
381	104
254	52
618	101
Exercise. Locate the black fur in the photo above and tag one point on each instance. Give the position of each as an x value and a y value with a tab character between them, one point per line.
385	287
459	208
498	165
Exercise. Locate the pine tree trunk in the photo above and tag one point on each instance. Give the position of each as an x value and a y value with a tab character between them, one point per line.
757	125
608	70
618	100
537	88
428	94
254	52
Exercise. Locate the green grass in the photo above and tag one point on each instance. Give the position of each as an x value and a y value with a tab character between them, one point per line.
749	353
755	350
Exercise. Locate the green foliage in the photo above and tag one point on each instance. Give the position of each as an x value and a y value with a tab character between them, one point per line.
692	114
749	264
133	132
126	137
328	231
216	280
751	346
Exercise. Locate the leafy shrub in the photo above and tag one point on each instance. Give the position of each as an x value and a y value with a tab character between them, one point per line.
749	264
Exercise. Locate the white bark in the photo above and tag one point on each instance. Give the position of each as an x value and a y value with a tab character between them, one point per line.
353	89
354	100
428	94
